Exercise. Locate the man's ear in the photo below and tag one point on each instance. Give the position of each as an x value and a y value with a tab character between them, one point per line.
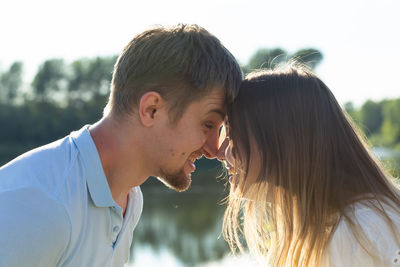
149	107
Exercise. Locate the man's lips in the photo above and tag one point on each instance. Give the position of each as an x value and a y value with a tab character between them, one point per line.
191	166
194	157
191	160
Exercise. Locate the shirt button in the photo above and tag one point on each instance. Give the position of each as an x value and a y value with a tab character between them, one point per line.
115	228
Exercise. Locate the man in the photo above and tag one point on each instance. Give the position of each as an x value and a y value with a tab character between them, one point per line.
76	202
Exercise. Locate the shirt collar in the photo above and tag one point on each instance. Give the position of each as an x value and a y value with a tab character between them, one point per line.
95	177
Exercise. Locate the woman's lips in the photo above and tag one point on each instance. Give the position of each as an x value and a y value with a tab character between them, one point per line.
233	181
231	169
232	175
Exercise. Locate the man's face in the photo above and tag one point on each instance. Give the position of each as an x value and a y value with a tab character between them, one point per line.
194	135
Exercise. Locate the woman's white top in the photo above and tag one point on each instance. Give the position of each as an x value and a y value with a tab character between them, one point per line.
345	251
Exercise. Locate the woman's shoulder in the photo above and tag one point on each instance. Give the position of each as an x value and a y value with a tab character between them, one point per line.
372	215
377	226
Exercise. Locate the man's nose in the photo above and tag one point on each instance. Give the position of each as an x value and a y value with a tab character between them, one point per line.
211	146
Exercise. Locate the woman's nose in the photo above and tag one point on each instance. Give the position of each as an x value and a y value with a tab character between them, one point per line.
222	149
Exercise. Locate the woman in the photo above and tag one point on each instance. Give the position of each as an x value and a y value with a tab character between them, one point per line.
306	190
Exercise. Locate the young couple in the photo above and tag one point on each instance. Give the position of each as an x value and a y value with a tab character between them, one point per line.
305	190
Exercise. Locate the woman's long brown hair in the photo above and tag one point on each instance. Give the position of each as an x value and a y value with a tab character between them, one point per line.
310	163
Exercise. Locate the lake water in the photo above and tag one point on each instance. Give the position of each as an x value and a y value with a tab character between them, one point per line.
184	229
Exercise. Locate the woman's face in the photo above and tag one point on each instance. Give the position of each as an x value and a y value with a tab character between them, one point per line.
225	152
232	163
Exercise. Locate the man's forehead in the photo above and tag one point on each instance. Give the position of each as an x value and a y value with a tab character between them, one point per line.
218	110
213	103
217	93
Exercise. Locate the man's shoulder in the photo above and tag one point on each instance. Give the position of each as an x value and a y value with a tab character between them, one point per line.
40	166
49	151
31	200
35	228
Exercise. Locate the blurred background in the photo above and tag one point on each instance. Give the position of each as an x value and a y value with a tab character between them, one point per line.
56	60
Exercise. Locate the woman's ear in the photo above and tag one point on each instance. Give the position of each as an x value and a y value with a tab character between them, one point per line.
149	107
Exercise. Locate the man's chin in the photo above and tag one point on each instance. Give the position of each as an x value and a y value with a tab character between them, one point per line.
178	182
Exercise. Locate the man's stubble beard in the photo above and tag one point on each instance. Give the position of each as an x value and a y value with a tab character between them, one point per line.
177	181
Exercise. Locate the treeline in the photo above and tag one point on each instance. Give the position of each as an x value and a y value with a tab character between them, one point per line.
379	120
63	97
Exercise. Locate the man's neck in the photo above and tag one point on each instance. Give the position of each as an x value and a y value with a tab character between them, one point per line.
115	142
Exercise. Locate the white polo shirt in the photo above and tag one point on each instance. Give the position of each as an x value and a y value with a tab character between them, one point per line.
56	208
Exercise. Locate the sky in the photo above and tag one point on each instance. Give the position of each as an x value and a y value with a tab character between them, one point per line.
360	39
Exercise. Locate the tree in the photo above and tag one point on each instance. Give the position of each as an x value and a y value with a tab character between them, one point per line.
270	58
391	123
351	110
371	117
90	78
309	56
10	82
50	78
267	58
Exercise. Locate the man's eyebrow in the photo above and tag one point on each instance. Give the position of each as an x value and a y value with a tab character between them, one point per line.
218	111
